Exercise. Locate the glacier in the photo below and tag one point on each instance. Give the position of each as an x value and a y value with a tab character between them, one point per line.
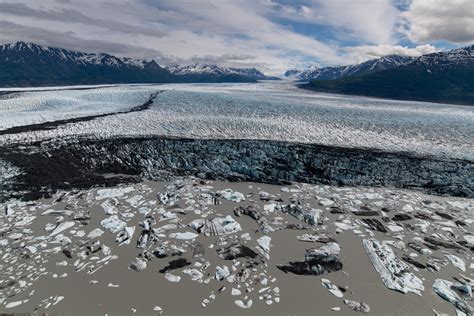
265	111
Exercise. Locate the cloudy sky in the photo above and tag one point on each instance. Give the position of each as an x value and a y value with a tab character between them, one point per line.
273	35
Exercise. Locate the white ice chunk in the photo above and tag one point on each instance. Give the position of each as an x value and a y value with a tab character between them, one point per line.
216	226
393	271
222	273
231	195
264	244
112	192
444	289
113	224
172	278
242	304
456	261
95	233
62	227
184	236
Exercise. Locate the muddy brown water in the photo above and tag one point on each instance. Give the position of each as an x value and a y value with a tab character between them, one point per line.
300	295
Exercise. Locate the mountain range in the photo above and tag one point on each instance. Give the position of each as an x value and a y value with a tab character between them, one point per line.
210	73
439	77
337	72
29	64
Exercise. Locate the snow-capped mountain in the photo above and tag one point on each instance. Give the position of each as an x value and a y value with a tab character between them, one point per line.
463	56
29	64
440	77
22	52
203	70
331	73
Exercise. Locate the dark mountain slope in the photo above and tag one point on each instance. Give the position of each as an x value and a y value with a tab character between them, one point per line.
439	77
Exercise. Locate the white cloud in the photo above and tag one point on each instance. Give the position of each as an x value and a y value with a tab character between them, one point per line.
370	20
240	33
362	53
436	20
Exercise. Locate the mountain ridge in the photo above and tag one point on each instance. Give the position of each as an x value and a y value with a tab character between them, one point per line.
446	77
29	64
337	72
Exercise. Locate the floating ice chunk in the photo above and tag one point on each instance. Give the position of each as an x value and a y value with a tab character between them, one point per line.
125	236
58	299
113	285
345	226
435	264
357	306
62	227
25	220
57	212
138	264
109	208
331	248
235	292
195	274
113	224
396	243
95	233
242	304
456	261
184	236
217	226
246	237
331	288
311	216
15	304
172	278
325	202
164	228
112	193
317	262
393	271
395	228
231	195
444	289
470	240
315	238
269	208
222	273
264	246
135	200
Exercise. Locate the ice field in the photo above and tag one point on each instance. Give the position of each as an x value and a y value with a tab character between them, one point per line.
268	110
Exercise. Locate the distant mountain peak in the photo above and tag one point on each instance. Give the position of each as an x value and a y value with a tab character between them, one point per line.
336	72
199	69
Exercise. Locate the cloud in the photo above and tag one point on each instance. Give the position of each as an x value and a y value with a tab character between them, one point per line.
12	31
273	35
434	20
370	20
73	16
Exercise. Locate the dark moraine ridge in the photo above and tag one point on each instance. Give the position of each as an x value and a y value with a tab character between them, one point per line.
85	162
